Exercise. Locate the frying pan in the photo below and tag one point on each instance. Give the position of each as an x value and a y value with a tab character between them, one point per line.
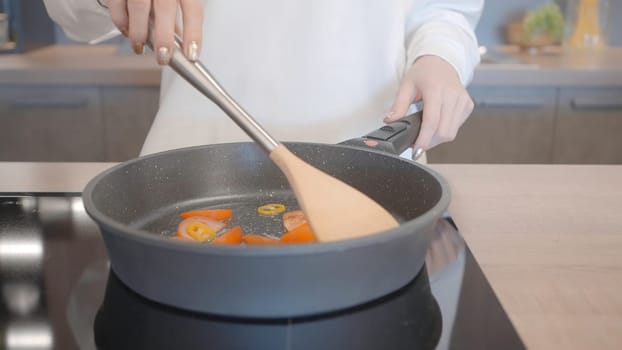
137	204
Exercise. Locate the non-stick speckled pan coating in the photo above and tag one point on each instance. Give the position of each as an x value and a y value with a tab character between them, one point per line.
137	203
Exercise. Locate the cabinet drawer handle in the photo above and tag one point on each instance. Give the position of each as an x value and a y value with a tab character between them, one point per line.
510	102
596	103
50	103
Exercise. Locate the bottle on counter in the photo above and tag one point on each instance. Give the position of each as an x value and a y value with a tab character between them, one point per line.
587	20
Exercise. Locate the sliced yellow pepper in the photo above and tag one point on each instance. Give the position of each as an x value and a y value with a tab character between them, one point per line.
271	209
200	231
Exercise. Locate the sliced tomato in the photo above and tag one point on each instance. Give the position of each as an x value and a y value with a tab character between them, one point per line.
216	214
293	219
233	236
253	239
199	228
301	234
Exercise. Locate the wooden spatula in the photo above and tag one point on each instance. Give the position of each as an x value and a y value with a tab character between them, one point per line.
334	209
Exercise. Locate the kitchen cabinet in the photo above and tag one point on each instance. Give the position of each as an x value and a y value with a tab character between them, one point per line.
508	125
80	123
50	124
128	113
588	128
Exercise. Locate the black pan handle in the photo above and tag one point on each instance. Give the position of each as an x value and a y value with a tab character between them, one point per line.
392	138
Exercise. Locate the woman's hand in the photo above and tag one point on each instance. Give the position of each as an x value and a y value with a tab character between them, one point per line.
447	104
132	18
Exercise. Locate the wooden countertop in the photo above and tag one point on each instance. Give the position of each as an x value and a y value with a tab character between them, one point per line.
79	65
553	66
548	237
105	65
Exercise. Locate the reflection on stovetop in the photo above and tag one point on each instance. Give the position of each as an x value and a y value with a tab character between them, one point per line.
57	292
407	319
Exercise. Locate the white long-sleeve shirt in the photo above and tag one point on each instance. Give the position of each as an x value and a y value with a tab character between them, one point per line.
319	71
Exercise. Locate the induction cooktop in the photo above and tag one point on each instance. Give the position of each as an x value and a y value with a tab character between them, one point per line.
58	292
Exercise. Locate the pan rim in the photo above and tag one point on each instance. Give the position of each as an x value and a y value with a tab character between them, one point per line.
111	226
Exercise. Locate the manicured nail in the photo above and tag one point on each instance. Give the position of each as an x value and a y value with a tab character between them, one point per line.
193	51
138	48
163	55
417	153
388	116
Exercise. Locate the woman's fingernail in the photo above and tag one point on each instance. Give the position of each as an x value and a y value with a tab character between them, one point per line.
417	153
193	51
388	115
138	48
123	31
163	55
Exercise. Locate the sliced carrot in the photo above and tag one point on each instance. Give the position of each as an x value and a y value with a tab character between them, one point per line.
301	234
253	239
216	214
233	236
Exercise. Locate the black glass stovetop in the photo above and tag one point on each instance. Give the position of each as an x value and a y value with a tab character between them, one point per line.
58	292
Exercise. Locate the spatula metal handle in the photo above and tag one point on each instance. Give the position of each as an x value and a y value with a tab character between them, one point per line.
199	77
